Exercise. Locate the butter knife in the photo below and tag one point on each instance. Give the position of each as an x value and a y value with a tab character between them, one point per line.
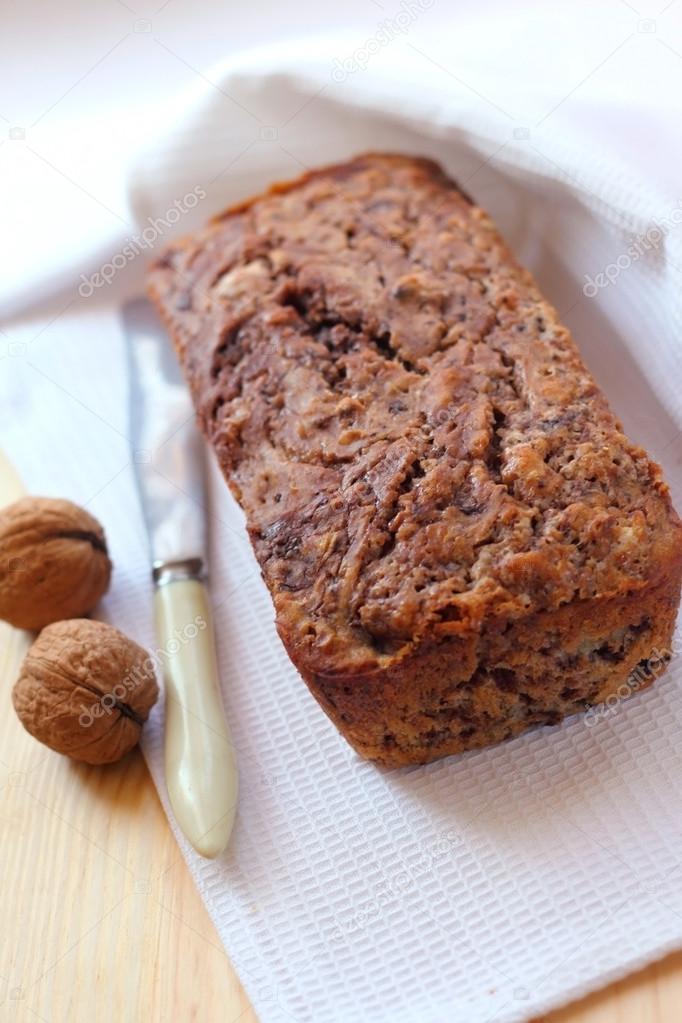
168	453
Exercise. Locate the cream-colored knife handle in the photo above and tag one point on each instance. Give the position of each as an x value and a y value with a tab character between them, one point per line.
201	770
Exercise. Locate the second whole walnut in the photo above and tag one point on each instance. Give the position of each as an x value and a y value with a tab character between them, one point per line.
85	690
54	562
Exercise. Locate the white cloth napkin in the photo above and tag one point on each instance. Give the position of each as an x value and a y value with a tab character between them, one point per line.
487	887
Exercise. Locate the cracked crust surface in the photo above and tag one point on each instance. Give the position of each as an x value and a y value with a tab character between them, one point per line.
425	463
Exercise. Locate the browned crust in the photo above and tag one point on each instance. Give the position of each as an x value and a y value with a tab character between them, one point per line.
466	694
425	463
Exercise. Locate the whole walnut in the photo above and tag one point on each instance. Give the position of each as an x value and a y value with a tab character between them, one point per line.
85	690
53	562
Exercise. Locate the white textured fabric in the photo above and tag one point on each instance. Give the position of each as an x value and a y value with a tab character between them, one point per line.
487	887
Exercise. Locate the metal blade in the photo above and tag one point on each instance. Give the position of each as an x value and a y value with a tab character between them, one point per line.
168	452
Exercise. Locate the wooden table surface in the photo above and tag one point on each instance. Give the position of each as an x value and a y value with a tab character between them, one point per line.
101	922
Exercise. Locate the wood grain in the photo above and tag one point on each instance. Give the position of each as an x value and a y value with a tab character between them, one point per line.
101	922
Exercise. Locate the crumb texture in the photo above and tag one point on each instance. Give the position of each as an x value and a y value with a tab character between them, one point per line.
417	444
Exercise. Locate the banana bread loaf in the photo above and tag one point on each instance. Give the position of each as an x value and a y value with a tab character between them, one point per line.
459	540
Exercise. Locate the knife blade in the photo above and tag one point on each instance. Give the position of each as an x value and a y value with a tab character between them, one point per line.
168	454
167	449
